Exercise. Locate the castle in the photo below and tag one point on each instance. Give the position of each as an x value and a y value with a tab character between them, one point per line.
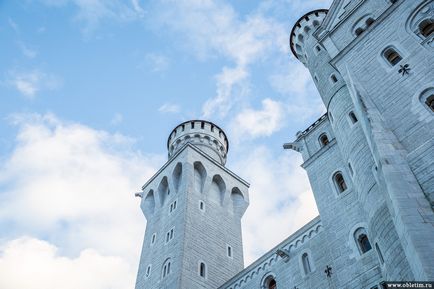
369	159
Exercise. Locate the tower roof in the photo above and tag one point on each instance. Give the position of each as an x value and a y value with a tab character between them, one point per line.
297	25
204	134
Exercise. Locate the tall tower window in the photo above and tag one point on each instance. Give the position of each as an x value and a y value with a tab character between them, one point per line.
392	56
166	268
229	251
148	271
202	269
339	182
426	27
154	236
323	139
169	235
362	240
306	263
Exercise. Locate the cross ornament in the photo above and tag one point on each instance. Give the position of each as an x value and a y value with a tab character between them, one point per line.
328	271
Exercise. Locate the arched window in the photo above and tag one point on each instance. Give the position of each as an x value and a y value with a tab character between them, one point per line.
166	268
353	117
430	102
306	263
148	271
202	270
323	139
392	56
362	241
269	283
339	182
426	27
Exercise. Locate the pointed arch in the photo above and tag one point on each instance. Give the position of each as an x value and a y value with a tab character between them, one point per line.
217	189
149	202
177	176
163	190
199	176
238	201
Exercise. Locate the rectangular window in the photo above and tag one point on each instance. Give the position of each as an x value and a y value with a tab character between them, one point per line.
229	251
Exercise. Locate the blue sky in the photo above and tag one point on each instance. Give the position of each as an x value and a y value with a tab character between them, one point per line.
90	90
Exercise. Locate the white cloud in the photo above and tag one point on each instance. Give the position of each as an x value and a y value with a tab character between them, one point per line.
214	28
74	186
169	108
263	122
35	264
92	12
29	83
158	62
280	199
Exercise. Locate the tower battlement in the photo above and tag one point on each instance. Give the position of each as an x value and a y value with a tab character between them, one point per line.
302	29
204	134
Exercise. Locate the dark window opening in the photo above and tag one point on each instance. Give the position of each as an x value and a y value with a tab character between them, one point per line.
333	78
426	27
340	182
353	117
202	270
369	21
318	48
430	102
324	140
202	125
364	244
392	56
229	251
272	284
192	124
358	31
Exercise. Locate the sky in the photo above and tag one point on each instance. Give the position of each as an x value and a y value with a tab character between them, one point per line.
89	92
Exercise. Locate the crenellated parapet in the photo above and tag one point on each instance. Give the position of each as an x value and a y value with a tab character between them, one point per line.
203	134
302	30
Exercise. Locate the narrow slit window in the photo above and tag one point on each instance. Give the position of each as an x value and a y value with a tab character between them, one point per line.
353	117
202	270
392	56
229	251
306	263
351	169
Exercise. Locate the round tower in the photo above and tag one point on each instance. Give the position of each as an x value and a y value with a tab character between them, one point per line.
351	140
302	30
204	134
